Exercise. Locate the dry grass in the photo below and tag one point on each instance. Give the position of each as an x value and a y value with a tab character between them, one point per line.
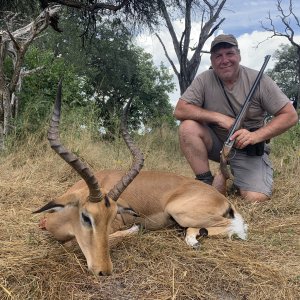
152	265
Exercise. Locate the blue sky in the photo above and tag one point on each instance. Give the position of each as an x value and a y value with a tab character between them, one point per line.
245	16
243	19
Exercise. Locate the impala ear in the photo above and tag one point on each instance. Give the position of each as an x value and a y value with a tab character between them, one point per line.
51	206
60	203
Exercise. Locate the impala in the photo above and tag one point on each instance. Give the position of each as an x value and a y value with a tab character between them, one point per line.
110	204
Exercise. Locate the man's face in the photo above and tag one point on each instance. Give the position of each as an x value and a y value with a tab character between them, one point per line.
225	62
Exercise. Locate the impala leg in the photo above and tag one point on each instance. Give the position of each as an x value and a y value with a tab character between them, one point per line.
191	237
117	236
193	233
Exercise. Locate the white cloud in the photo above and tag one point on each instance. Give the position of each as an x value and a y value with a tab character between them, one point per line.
255	46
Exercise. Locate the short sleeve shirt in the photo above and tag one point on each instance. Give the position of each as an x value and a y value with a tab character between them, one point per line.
206	91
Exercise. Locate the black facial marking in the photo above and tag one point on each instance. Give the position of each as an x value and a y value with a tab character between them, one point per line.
107	203
49	205
127	210
229	213
86	219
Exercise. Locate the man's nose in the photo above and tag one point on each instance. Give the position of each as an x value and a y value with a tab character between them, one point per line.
224	59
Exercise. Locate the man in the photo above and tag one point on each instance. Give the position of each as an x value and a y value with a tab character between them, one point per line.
207	111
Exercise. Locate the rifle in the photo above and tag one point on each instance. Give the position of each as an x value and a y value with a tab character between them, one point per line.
218	182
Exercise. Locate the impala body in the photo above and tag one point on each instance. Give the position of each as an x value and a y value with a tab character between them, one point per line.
112	204
153	200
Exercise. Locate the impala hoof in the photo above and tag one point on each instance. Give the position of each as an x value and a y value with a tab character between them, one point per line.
196	246
192	242
203	232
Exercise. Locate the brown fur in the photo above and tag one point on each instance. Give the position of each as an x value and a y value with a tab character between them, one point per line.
158	199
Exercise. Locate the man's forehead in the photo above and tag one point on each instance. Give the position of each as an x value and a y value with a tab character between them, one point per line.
225	50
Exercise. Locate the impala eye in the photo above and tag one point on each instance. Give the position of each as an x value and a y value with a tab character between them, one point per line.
86	220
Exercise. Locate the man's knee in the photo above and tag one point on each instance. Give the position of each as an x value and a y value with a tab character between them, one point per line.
193	128
188	127
254	196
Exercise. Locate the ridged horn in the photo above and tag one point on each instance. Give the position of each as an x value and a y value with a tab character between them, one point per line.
84	171
137	163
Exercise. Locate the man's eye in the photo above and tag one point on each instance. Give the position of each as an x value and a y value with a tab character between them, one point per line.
86	219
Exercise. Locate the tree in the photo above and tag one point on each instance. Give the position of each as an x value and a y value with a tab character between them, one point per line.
117	71
154	13
284	72
290	23
120	71
22	7
39	91
14	44
108	73
90	11
209	16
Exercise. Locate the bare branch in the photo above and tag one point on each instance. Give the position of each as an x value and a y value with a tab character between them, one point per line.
209	12
25	73
167	55
15	44
171	30
91	7
12	38
23	37
286	18
187	31
207	31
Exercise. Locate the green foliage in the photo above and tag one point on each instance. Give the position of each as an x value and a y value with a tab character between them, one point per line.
117	71
163	138
286	154
39	91
24	8
99	78
287	142
284	72
121	71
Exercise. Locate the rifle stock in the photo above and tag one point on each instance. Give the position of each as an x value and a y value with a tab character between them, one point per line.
224	174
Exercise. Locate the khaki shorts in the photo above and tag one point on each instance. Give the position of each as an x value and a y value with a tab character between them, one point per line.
251	173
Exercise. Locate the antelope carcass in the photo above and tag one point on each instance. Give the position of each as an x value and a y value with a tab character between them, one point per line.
103	206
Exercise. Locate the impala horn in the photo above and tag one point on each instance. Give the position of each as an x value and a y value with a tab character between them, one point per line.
83	170
137	163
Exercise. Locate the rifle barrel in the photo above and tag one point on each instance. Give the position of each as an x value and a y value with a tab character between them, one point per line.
242	114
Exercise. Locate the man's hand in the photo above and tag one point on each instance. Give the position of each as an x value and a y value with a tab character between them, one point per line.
225	121
244	137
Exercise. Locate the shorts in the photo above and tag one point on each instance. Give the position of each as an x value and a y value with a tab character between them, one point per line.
251	173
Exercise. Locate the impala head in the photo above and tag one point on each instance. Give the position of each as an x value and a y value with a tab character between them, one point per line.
86	212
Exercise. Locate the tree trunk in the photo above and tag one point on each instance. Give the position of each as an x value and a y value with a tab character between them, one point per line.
5	110
210	22
13	46
5	113
297	104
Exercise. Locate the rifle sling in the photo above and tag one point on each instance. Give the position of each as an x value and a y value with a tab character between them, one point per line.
227	98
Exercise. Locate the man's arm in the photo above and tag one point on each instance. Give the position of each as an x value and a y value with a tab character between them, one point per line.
187	111
284	119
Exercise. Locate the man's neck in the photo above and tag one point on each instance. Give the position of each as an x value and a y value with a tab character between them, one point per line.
229	84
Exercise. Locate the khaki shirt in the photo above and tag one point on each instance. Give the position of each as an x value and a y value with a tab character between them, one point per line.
206	91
